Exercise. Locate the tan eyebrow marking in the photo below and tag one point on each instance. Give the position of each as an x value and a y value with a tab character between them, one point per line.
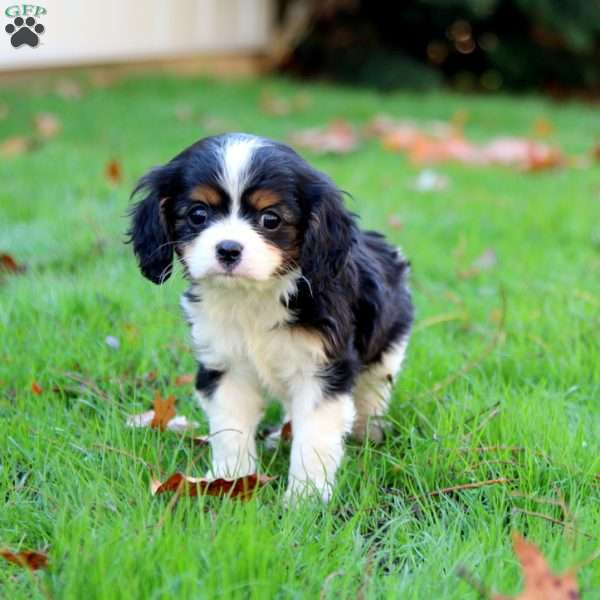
261	199
207	194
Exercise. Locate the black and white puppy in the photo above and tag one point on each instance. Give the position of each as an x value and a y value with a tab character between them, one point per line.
287	297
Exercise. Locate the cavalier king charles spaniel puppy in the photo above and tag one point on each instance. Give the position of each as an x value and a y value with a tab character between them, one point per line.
287	297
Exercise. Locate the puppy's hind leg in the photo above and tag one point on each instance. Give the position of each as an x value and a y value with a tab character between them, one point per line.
372	393
234	406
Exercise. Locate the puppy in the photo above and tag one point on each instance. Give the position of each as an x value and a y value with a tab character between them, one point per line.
287	297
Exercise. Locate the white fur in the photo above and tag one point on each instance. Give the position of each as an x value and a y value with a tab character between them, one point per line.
259	260
319	425
373	390
239	326
235	160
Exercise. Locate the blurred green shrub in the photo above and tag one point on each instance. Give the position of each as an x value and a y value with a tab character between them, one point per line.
553	45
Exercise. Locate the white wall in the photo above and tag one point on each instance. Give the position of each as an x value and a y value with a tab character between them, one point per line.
96	31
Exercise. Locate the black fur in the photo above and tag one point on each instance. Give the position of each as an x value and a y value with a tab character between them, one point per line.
353	291
207	380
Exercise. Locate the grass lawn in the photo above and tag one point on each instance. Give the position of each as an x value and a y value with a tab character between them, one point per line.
478	399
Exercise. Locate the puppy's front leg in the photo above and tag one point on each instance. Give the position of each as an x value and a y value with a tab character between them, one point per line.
234	408
319	424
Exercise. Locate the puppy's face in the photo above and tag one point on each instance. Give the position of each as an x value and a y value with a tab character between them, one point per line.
236	207
219	234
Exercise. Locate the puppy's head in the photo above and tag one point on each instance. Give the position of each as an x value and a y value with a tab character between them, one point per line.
239	207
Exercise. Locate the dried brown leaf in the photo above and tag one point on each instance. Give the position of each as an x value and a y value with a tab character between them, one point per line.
10	265
338	137
36	388
163	416
16	145
540	583
542	127
185	379
113	172
47	125
164	411
68	89
27	558
241	488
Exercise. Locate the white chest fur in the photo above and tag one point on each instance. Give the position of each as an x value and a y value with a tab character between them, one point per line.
243	325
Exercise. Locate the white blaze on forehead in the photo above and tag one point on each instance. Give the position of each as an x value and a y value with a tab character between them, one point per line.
236	159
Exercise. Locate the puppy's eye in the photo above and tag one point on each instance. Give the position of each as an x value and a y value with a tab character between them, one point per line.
197	215
270	220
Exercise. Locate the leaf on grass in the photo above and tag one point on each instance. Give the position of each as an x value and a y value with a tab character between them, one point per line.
163	416
36	388
10	265
164	411
338	137
395	222
542	127
484	262
14	146
27	558
47	125
113	172
275	435
185	379
68	89
279	106
242	488
540	583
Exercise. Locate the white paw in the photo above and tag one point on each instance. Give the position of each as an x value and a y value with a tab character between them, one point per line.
299	490
231	469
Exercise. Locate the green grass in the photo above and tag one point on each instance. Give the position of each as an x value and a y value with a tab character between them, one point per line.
72	476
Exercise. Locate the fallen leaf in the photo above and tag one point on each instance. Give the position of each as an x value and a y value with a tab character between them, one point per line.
16	145
542	127
484	262
27	558
521	153
273	436
338	137
596	152
68	89
113	172
163	416
164	411
279	106
36	388
540	583
487	260
286	431
395	222
185	379
242	488
10	265
47	125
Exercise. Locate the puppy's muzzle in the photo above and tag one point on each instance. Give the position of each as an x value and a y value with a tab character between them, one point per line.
229	254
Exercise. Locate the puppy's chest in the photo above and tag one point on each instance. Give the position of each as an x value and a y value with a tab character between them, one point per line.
252	333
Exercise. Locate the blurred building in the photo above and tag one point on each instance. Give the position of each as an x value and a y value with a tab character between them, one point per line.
84	32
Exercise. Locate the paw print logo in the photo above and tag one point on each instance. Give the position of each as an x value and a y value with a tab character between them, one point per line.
24	32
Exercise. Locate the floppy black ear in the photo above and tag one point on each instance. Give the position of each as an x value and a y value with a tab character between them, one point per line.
150	232
328	236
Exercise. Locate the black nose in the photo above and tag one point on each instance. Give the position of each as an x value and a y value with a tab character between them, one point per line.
229	253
